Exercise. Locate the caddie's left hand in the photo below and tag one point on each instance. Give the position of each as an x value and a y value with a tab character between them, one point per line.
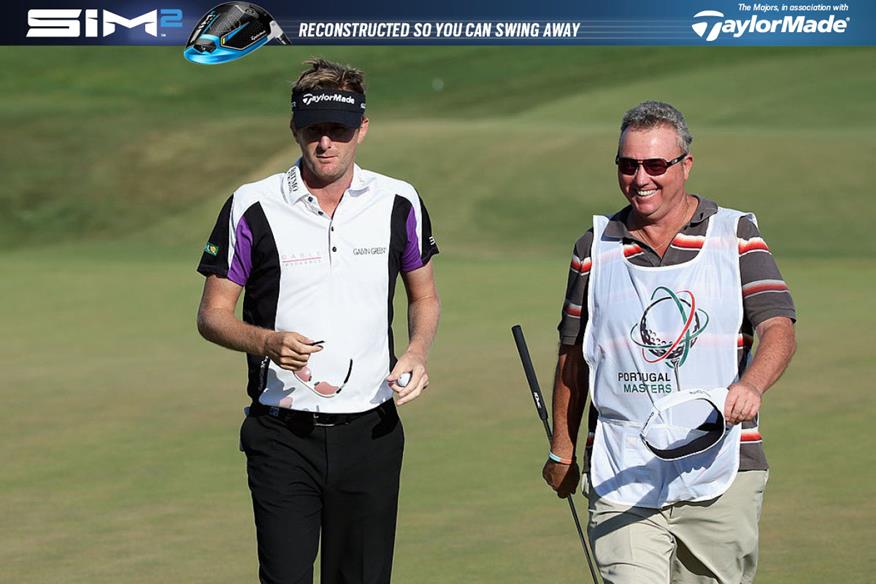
743	403
415	364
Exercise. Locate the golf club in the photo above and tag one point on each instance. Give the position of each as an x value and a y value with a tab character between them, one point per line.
230	31
537	397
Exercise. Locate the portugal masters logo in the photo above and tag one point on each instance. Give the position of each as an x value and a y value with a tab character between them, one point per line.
669	327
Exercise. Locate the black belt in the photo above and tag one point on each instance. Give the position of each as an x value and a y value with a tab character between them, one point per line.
316	418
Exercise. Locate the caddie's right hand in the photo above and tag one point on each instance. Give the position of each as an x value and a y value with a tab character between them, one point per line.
562	478
289	350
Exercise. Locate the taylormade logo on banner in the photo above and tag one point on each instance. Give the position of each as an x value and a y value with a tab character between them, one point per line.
711	23
309	98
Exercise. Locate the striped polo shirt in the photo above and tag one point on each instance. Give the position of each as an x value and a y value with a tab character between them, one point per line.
764	294
329	278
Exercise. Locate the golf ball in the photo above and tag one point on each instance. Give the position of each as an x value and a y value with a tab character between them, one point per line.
404	379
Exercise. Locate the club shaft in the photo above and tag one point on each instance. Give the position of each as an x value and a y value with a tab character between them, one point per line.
538	399
583	541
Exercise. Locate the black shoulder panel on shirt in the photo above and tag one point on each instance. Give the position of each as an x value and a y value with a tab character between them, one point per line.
398	238
262	290
214	260
427	244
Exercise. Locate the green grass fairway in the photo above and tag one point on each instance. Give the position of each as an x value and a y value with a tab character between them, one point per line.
119	424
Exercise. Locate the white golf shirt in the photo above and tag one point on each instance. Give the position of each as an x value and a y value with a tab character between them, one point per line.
331	279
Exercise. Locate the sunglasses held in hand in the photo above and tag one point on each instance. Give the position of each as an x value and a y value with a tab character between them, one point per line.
321	388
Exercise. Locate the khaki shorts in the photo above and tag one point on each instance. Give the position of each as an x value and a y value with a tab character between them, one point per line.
708	542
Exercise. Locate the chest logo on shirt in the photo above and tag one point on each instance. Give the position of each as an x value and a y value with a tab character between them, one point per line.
298	259
669	327
369	251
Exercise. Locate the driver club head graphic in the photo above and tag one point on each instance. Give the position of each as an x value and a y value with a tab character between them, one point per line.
231	31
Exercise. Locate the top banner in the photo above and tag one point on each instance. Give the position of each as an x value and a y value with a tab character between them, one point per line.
453	22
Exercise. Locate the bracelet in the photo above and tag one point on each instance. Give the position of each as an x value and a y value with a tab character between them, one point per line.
560	459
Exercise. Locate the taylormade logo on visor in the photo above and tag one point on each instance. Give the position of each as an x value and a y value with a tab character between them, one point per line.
310	99
755	25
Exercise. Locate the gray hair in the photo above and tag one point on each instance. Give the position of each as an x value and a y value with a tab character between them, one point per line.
653	114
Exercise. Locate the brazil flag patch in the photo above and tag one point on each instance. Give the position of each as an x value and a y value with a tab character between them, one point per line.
211	248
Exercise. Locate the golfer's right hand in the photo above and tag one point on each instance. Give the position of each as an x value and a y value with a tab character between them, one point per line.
289	350
562	478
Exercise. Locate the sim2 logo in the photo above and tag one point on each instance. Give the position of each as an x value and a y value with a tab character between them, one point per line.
66	22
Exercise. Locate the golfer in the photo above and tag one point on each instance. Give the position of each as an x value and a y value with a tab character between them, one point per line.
317	251
664	297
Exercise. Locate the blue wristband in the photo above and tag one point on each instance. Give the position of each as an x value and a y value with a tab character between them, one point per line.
560	459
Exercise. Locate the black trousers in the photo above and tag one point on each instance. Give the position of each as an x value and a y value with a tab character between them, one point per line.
338	482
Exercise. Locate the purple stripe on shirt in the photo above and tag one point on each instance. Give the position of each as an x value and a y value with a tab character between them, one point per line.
411	258
241	262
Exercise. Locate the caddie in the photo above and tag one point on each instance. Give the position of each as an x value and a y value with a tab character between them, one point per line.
662	303
317	250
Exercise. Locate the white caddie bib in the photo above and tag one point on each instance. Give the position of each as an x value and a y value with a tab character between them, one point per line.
653	332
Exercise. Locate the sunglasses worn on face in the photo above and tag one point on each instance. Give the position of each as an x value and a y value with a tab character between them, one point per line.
653	166
335	132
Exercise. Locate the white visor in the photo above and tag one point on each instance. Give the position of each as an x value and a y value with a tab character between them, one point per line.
686	423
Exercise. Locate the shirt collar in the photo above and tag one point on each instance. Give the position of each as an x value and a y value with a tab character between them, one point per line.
295	189
293	185
617	224
360	183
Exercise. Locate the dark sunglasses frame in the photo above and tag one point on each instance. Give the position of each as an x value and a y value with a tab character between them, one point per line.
336	132
653	166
